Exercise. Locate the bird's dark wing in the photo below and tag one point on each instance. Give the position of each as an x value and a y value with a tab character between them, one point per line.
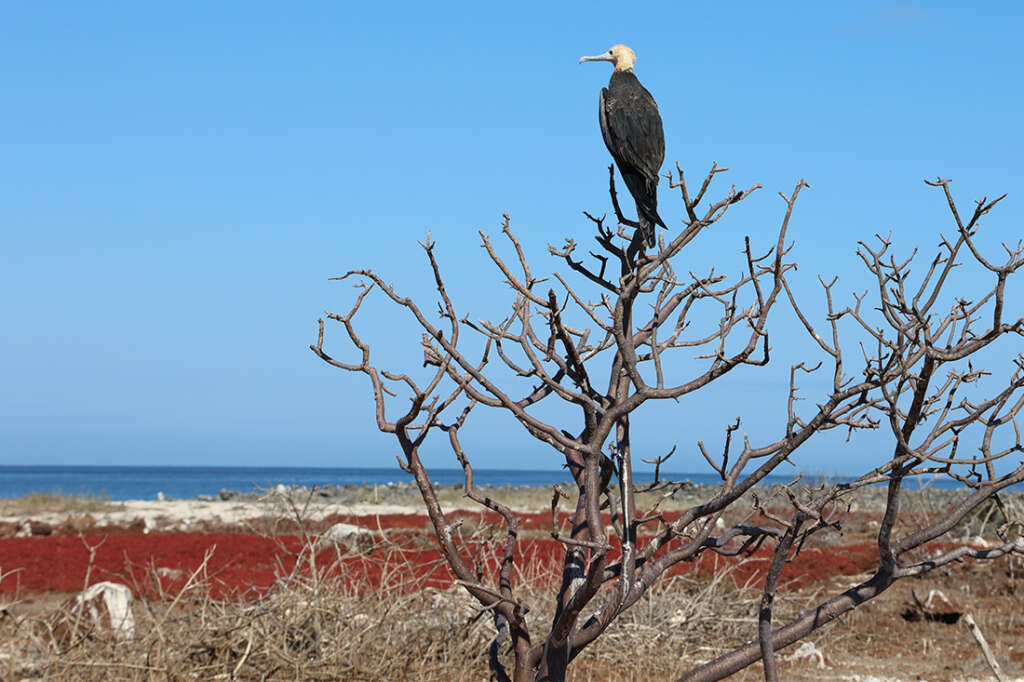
631	125
603	117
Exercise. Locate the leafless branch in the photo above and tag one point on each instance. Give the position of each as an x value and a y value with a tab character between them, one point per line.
600	341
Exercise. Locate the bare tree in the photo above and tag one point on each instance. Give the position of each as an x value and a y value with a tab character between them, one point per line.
630	329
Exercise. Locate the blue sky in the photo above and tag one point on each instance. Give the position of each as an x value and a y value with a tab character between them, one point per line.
179	181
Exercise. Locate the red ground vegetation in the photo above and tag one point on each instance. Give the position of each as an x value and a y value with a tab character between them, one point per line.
246	564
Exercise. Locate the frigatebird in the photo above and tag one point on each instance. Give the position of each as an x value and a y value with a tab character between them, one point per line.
631	128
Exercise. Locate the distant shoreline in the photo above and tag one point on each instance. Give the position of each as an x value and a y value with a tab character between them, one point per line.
178	482
234	511
407	496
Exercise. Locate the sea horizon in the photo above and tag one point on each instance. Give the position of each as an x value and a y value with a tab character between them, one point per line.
118	482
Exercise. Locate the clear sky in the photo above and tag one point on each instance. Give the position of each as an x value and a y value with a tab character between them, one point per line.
179	180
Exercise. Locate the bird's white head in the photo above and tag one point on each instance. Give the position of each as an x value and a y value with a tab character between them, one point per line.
620	55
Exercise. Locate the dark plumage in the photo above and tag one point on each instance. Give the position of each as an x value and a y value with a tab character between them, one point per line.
632	131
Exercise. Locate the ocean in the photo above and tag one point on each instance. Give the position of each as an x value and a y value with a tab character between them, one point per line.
144	483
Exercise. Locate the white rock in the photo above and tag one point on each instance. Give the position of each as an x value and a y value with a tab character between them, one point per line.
347	536
171	573
978	541
107	606
678	617
808	651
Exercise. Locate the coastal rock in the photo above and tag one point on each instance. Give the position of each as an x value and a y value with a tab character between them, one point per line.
171	573
811	654
104	609
936	608
227	495
39	528
329	492
73	525
348	537
8	529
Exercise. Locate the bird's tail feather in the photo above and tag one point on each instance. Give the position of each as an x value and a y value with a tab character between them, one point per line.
647	212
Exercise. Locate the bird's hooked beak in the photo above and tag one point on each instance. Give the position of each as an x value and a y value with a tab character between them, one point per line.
605	57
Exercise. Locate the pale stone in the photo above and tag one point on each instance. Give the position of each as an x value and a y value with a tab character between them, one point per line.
807	651
102	608
346	536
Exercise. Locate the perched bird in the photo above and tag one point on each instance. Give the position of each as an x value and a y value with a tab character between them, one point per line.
631	127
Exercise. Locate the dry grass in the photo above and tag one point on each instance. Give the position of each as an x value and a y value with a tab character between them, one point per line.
315	624
326	630
56	502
